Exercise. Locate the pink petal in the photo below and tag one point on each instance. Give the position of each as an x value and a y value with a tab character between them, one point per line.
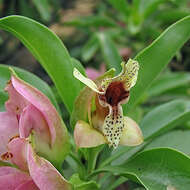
29	185
10	178
8	130
32	119
18	149
44	174
16	102
43	104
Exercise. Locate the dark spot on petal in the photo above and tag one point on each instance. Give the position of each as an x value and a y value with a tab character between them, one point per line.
6	156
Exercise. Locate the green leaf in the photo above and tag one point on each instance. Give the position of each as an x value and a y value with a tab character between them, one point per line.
43	7
167	82
148	7
90	48
82	185
172	15
109	51
165	117
155	57
26	76
121	5
157	169
48	49
176	139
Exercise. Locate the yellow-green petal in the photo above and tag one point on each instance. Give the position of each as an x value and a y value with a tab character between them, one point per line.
131	135
129	73
86	81
86	136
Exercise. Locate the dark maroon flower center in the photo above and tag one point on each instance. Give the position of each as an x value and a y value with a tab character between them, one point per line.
115	93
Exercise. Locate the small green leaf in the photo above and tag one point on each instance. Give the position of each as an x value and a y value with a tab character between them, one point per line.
43	6
109	51
148	7
90	48
121	5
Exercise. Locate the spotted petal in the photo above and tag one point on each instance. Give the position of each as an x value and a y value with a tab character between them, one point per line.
131	135
86	81
8	130
113	125
129	73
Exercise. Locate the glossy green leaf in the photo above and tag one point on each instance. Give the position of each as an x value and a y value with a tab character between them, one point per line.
48	49
155	57
109	51
26	76
167	82
176	139
156	169
165	117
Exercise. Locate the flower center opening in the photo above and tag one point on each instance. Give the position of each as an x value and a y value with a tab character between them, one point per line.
116	93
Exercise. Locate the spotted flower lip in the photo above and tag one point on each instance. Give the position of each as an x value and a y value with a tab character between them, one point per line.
111	93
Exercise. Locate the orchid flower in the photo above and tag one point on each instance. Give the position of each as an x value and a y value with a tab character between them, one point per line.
107	123
31	121
30	171
34	115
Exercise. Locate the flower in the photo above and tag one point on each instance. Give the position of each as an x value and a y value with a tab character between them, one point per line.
32	114
31	124
107	123
32	172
